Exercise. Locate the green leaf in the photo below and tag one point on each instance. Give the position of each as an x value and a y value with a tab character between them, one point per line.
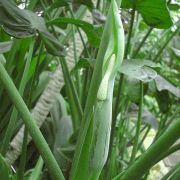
163	84
90	30
154	12
163	101
58	4
139	69
132	83
88	3
2	59
23	23
14	20
83	63
5	46
4	169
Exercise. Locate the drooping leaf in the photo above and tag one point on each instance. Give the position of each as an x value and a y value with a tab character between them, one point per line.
163	84
90	30
139	69
5	46
14	20
4	169
21	23
154	12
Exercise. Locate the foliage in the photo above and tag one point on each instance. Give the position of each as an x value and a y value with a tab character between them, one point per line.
123	85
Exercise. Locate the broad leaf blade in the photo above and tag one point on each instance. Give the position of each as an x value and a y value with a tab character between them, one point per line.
139	69
154	12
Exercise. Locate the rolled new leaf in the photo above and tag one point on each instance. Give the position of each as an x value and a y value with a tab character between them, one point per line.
103	106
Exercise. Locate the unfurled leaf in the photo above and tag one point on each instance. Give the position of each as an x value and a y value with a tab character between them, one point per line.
139	69
154	12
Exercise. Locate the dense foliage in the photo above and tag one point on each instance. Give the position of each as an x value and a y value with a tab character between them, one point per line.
89	89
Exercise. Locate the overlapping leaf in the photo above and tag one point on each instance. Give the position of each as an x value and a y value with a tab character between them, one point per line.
154	12
23	23
139	69
163	84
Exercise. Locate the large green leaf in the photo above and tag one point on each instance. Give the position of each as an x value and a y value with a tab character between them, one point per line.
139	69
90	30
154	12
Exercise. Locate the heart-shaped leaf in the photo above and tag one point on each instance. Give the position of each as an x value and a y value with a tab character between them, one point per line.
139	69
154	12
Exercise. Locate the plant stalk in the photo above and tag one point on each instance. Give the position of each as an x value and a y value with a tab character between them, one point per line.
34	131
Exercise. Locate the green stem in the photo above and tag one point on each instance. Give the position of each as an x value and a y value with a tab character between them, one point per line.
72	95
138	126
144	137
142	42
34	131
130	33
173	174
80	34
14	114
166	43
76	60
37	170
148	159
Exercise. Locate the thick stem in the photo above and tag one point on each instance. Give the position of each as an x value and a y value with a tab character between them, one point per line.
142	42
149	158
14	114
166	43
138	125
